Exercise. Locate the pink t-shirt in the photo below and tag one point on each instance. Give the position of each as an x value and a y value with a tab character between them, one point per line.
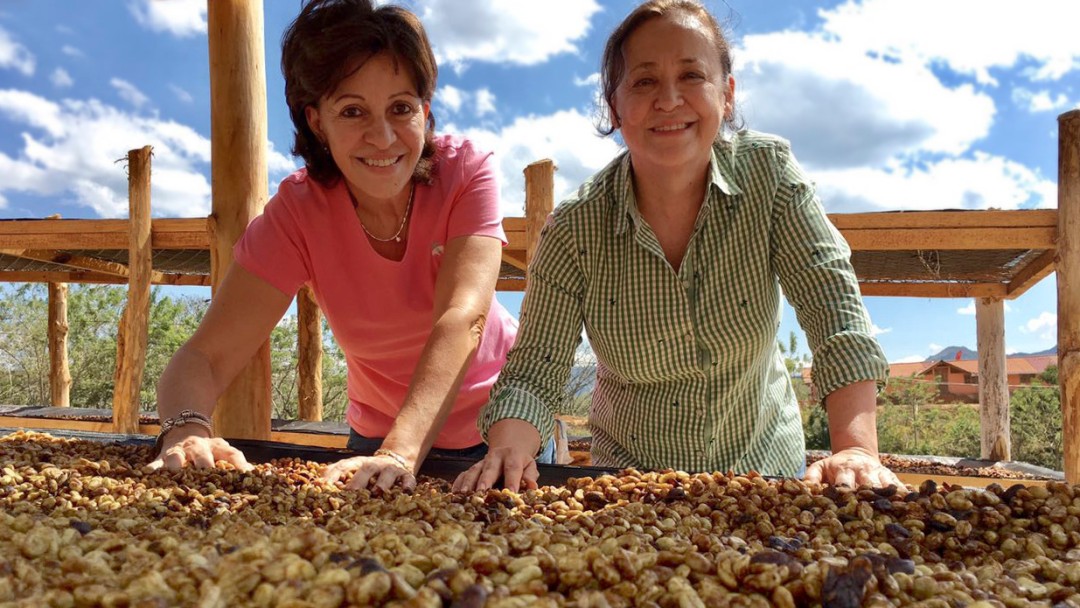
381	311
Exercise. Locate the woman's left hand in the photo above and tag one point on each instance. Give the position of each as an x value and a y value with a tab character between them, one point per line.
383	471
852	467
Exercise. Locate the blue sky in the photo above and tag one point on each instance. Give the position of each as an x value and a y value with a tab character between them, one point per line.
889	104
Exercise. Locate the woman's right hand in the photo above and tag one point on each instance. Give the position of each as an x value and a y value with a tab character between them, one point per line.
513	445
184	446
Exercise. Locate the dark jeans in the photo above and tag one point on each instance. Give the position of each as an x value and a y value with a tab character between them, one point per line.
367	445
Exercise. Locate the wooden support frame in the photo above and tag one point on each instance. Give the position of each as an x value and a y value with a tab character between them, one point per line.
238	183
309	355
59	371
995	438
1068	288
132	335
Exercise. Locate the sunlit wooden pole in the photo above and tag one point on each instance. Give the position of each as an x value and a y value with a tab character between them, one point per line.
239	183
309	355
1068	284
993	380
132	335
59	372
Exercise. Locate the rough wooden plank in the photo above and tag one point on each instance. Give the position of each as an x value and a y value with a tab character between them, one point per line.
966	239
510	285
539	202
82	276
59	371
131	341
995	438
309	355
946	219
1068	285
238	183
1035	271
934	290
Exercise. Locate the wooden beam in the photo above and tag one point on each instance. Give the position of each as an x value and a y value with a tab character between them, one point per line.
166	233
239	183
1068	287
539	202
80	262
995	437
933	290
913	239
515	259
510	285
59	371
309	355
946	219
84	276
1035	271
514	224
132	337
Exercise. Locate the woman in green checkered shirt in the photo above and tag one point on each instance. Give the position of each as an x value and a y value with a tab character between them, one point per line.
673	259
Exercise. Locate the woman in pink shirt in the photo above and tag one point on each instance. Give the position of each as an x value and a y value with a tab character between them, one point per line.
398	233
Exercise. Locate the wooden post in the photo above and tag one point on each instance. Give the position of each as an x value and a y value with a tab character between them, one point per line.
539	202
239	183
995	437
309	354
131	337
59	372
1068	284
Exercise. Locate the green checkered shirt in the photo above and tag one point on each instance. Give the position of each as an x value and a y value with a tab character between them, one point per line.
689	372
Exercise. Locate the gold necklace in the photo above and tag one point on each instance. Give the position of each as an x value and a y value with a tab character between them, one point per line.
396	237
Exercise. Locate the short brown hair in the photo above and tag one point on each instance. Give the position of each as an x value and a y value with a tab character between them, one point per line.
613	65
328	42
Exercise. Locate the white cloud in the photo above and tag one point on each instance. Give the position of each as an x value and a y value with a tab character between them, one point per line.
979	182
485	102
181	18
970	309
935	348
877	331
504	31
71	51
927	31
14	55
454	99
842	108
1045	325
567	137
74	158
181	94
451	97
591	80
61	79
1043	101
129	92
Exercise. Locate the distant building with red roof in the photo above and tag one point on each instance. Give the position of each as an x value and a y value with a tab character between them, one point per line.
959	380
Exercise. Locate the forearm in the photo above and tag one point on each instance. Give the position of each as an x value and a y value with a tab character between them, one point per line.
852	412
439	373
187	383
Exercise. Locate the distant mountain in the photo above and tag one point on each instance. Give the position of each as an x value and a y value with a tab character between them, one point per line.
949	354
966	354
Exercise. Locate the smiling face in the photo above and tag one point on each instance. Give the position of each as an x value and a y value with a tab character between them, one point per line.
673	95
374	126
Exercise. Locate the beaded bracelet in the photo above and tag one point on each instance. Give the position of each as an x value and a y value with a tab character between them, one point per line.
392	455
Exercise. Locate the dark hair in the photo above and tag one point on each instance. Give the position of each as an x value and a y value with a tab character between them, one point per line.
328	42
613	64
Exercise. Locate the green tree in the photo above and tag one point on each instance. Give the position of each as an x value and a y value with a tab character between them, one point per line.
1036	425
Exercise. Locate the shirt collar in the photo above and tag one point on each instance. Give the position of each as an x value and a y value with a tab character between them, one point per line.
720	177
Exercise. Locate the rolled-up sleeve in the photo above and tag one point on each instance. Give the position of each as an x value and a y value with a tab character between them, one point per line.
533	382
814	266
